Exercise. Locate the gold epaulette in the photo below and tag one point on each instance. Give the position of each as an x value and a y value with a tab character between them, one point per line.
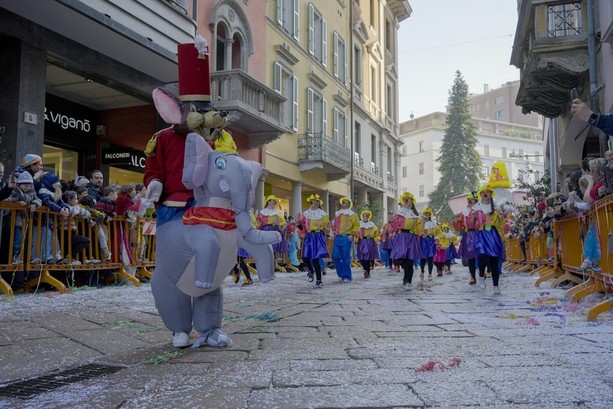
152	144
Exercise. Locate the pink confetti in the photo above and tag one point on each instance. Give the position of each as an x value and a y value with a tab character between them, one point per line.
431	366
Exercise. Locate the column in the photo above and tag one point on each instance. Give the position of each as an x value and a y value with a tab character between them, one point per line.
23	83
295	204
361	196
228	62
325	196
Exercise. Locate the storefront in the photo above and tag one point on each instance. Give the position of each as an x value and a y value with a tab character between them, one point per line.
70	137
126	165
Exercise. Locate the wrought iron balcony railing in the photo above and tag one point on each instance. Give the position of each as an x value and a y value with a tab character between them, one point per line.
317	151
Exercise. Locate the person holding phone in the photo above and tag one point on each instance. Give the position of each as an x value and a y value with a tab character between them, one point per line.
601	121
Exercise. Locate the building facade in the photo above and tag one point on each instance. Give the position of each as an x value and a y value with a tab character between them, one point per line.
343	132
558	46
520	147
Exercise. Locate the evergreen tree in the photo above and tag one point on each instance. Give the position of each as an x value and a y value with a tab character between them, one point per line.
459	162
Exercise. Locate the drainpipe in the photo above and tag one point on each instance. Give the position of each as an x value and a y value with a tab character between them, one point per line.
553	153
591	53
351	125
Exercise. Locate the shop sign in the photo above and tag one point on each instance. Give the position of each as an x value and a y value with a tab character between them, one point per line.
125	158
116	156
64	118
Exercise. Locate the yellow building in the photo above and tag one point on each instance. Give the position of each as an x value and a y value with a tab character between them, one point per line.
310	48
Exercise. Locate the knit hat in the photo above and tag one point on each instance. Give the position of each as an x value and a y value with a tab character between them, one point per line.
31	159
81	181
49	179
25	178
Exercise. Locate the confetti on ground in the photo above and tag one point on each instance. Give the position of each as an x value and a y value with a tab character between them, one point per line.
432	366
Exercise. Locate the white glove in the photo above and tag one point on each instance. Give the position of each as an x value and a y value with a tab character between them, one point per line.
154	191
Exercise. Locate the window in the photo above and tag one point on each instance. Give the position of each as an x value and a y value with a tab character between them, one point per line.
389	101
357	66
422	191
286	84
503	152
404	171
317	120
564	20
499	115
486	171
357	133
421	168
373	84
339	124
499	100
486	150
390	168
373	147
388	35
288	16
317	36
340	58
373	13
421	146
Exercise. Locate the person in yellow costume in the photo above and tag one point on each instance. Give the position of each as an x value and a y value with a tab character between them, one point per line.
368	242
407	225
345	227
427	242
270	218
316	223
488	244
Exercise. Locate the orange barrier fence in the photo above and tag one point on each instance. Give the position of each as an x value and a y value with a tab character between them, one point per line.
567	262
44	245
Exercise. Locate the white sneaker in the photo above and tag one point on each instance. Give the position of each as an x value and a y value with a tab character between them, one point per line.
481	282
496	290
180	339
587	263
408	286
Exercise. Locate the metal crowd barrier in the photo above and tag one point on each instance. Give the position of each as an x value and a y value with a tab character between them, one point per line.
569	234
46	247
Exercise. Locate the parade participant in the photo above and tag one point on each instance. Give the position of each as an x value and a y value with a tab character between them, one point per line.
271	218
368	237
451	254
316	224
465	222
488	244
407	225
384	247
190	296
344	228
445	249
427	243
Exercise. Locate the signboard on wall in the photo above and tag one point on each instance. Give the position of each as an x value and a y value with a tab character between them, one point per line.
67	122
124	157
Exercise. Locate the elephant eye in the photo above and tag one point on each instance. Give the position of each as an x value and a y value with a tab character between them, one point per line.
220	163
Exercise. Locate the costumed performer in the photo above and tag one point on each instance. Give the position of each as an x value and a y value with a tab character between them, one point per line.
427	243
344	228
368	238
488	244
407	225
465	222
316	223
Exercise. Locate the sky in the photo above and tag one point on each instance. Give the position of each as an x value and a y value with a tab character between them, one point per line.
442	36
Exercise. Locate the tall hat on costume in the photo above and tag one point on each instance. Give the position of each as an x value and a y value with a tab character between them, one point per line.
342	199
194	74
472	196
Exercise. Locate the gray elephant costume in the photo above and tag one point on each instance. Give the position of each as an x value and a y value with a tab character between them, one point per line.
204	196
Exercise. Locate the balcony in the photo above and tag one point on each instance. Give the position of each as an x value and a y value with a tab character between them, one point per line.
317	151
367	179
550	49
141	34
254	109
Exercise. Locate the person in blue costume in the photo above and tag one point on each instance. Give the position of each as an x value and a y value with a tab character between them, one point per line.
488	244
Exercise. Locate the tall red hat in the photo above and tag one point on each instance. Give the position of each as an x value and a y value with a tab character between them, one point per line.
194	74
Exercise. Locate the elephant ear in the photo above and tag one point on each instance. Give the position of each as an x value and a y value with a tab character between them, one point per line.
256	172
196	163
